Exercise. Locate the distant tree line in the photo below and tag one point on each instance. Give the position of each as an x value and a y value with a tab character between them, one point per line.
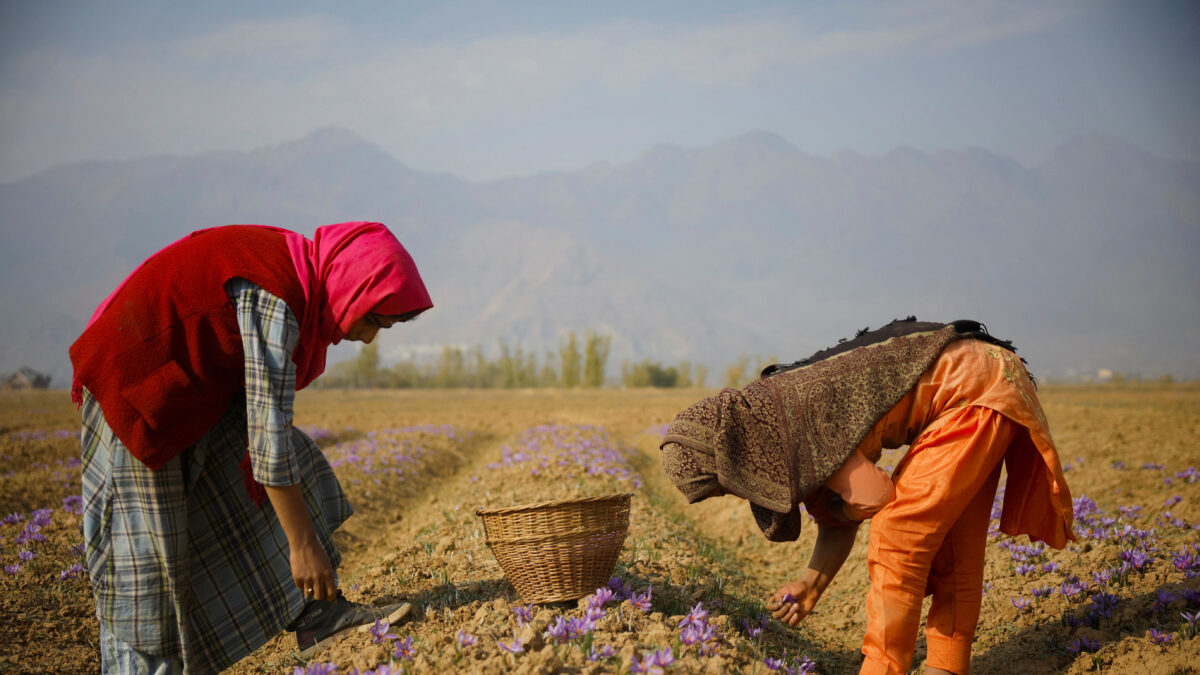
579	362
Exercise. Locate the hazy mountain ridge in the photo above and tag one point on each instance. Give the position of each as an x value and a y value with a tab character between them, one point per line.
1087	259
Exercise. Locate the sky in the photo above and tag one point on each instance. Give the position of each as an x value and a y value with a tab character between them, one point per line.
485	89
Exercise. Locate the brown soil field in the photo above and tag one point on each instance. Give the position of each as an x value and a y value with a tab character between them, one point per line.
417	464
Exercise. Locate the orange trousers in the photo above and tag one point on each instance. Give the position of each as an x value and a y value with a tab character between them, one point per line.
930	540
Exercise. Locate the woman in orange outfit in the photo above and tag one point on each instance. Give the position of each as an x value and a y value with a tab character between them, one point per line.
811	432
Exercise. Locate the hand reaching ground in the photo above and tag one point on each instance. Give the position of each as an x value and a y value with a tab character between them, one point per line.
794	601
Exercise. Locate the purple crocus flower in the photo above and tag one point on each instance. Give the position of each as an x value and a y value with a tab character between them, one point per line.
1020	603
465	639
751	630
524	614
404	649
696	617
1163	600
1083	645
772	664
515	647
600	597
646	665
664	658
604	652
560	630
642	600
380	631
1190	617
72	571
622	589
12	569
1160	638
1050	567
26	556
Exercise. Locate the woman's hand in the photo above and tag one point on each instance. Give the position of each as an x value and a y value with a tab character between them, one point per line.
312	572
794	601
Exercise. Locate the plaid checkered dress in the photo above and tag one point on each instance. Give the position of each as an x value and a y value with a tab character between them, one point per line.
182	563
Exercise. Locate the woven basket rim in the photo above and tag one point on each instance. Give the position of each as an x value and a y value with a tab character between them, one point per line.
552	503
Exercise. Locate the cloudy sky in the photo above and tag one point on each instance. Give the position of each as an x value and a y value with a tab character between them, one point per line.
487	89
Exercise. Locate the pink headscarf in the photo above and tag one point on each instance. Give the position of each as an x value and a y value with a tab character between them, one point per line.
348	270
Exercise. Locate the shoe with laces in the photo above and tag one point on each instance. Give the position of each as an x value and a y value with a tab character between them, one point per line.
323	621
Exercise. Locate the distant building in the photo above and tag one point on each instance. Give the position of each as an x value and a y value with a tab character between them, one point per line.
25	378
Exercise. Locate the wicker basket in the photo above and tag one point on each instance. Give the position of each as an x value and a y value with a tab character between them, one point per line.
559	550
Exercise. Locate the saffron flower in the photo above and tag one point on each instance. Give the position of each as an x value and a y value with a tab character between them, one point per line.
1159	638
1163	600
622	589
642	600
653	663
1020	603
772	664
524	614
380	631
404	649
696	617
560	630
465	639
604	652
26	556
1083	645
600	597
515	647
12	569
72	571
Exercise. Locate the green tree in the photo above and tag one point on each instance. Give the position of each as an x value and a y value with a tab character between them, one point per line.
648	373
366	366
450	368
735	373
685	375
547	377
595	358
569	357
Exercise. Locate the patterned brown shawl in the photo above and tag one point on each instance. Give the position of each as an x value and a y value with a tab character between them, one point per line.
777	440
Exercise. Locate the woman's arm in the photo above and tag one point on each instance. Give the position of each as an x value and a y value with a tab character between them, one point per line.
270	333
835	539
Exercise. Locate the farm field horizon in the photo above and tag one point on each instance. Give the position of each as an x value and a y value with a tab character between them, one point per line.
417	464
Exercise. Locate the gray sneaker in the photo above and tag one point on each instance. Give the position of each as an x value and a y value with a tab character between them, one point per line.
323	621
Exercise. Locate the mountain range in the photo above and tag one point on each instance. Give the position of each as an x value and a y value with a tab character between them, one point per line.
1087	260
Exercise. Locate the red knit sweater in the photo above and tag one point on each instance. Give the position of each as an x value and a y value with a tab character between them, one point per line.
165	359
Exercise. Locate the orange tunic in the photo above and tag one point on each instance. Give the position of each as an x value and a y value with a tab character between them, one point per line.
1037	501
973	409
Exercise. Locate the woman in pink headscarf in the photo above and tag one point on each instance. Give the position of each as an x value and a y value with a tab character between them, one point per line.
208	516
